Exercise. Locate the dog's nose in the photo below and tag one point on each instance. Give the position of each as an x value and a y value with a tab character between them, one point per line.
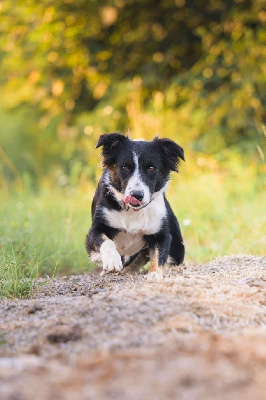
138	194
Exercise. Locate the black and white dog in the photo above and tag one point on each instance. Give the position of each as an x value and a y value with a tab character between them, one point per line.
131	217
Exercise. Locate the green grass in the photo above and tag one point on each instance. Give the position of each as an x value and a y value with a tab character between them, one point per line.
220	212
2	338
221	215
41	235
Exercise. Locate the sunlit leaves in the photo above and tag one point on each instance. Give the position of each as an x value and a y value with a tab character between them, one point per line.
86	67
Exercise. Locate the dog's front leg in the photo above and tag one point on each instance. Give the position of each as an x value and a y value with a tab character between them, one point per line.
111	259
99	245
159	246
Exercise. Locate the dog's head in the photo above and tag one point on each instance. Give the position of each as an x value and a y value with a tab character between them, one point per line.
138	169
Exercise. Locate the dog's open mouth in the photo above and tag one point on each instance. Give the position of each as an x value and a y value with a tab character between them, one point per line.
132	201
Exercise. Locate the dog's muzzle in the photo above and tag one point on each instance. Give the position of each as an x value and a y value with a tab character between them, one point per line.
133	201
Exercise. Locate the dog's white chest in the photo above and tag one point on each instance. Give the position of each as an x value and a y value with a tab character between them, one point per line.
128	244
146	221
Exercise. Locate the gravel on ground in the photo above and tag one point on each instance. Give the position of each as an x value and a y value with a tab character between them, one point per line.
198	334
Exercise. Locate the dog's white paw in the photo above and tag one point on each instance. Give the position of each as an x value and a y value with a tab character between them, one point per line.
154	276
111	259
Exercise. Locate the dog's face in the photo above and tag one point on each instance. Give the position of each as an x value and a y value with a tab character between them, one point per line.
138	169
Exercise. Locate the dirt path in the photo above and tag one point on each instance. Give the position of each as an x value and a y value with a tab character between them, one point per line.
199	334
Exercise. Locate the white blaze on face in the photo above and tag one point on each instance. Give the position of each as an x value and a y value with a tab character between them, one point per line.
135	183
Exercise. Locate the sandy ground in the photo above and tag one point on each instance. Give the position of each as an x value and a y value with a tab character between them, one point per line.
198	334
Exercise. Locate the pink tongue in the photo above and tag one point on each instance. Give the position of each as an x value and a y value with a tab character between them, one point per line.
132	200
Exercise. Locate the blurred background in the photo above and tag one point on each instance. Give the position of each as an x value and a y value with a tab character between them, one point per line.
70	70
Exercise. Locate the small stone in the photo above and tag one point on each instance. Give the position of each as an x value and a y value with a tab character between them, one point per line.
64	334
95	291
35	308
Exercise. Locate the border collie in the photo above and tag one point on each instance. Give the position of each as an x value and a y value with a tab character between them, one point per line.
131	218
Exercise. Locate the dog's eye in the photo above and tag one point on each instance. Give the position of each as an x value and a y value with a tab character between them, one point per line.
125	168
151	168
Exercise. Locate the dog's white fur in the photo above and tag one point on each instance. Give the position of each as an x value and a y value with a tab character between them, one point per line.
146	221
128	244
111	259
135	183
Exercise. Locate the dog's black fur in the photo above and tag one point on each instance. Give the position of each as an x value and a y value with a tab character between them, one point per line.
140	169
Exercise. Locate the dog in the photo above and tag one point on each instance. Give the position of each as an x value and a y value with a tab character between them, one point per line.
131	217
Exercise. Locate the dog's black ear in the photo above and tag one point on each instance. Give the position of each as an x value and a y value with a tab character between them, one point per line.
111	143
172	152
110	140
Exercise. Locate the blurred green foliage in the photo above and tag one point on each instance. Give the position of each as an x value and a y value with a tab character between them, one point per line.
73	69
